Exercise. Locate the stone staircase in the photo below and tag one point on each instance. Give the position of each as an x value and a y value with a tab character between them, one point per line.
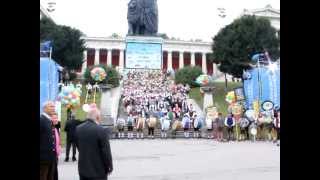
113	133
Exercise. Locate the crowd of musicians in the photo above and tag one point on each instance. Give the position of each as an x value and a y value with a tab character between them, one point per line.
151	101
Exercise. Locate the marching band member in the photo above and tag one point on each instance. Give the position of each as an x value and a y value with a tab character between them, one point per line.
220	123
209	127
198	121
276	123
165	125
120	124
244	124
177	110
130	125
186	124
140	126
96	87
230	123
89	89
253	130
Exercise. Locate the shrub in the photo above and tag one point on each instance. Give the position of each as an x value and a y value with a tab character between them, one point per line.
113	76
188	75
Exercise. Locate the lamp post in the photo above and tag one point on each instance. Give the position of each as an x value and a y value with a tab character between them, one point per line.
222	14
259	83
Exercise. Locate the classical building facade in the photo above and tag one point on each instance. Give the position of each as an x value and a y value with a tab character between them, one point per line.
267	12
175	54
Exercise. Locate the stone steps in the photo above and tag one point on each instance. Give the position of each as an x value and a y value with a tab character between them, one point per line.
157	133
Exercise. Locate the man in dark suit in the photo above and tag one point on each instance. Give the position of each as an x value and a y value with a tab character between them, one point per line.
70	129
48	156
95	159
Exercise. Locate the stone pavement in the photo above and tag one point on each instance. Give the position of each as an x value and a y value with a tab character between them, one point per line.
190	159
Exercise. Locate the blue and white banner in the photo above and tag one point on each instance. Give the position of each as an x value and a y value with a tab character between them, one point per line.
49	79
269	85
45	46
250	87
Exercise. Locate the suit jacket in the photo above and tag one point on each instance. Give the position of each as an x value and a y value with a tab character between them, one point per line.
47	141
70	128
95	159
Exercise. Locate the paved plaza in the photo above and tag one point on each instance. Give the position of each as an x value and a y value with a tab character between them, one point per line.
187	159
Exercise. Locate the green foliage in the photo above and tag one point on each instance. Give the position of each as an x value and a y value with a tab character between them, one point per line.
115	35
67	45
235	43
72	75
219	95
164	35
113	76
188	75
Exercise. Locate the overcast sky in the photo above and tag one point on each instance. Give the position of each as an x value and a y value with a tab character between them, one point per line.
184	19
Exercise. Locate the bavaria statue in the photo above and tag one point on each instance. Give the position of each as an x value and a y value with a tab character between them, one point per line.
142	17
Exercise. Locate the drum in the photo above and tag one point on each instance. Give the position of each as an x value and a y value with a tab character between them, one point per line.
176	125
152	122
253	131
140	124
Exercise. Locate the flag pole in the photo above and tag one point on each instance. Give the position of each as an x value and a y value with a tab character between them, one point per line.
50	73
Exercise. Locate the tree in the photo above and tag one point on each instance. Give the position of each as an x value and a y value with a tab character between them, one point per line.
164	35
115	35
188	75
234	45
67	44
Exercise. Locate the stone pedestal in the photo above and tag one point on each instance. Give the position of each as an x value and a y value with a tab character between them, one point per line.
106	105
208	96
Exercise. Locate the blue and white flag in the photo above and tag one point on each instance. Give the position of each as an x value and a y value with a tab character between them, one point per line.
45	46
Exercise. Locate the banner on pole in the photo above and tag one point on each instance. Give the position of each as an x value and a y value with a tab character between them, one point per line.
269	87
48	81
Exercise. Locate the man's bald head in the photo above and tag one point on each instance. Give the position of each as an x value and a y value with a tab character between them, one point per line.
49	107
94	114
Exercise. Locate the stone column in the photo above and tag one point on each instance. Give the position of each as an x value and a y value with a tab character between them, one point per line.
204	63
169	60
97	57
121	59
193	61
215	69
181	62
109	57
84	64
